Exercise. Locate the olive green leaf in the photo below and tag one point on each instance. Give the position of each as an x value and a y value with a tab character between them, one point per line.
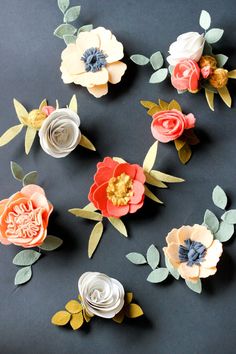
118	225
210	98
86	143
185	153
29	138
95	238
153	181
152	196
165	177
148	104
61	318
26	258
225	95
73	105
86	214
17	171
10	134
51	243
30	178
150	158
21	111
23	275
139	59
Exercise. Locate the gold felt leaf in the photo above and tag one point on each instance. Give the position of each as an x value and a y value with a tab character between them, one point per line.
152	196
43	104
82	213
153	181
185	153
77	320
133	311
150	157
73	306
128	298
21	111
86	143
179	143
174	105
165	177
118	225
61	318
90	207
154	110
163	104
10	134
119	317
148	104
86	316
94	238
118	159
191	137
29	138
73	105
225	95
232	74
210	98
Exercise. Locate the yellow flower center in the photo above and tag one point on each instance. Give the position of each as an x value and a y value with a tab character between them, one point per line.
120	189
36	118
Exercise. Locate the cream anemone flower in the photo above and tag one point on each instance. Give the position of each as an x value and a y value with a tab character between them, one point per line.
193	252
93	61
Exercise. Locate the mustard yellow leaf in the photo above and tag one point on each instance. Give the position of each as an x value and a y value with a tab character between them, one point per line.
154	110
118	225
148	104
210	98
179	143
185	153
73	105
153	181
174	105
225	95
21	111
43	104
94	238
61	318
152	196
128	298
73	306
86	143
86	214
119	159
163	104
29	138
119	317
77	320
10	134
133	311
150	157
165	177
232	74
90	207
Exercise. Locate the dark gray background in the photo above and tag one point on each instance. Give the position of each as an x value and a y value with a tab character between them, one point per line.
177	321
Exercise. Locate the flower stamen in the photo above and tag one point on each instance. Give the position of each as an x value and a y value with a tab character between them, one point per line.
193	252
94	59
120	189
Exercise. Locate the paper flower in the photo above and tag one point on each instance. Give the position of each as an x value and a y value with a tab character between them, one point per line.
186	75
119	188
99	295
170	124
58	129
93	61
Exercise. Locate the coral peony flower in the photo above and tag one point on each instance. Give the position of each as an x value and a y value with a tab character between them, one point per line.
93	61
170	124
24	217
118	188
186	75
193	252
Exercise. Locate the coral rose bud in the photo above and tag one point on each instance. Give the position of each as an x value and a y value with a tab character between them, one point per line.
48	110
219	78
207	60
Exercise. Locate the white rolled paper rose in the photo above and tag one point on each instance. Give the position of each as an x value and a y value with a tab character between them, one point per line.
101	295
60	133
188	45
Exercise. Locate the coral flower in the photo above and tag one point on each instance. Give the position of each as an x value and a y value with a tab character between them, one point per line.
93	61
193	252
24	217
118	188
186	76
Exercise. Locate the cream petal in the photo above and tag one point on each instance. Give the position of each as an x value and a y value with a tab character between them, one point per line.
172	252
103	34
98	90
116	71
90	79
213	254
172	236
66	77
86	40
202	234
113	49
187	272
71	60
206	272
184	233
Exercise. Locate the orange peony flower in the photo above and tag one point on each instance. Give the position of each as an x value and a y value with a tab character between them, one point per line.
24	217
93	61
118	188
193	252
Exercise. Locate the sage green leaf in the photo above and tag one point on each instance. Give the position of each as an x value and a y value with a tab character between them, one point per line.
95	238
156	60
63	5
214	35
153	257
173	271
118	225
211	221
10	134
159	76
17	171
221	60
85	28
51	243
136	258
30	178
207	50
158	275
64	29
23	275
196	287
86	214
72	14
219	197
139	59
229	216
171	69
205	20
26	258
68	38
225	232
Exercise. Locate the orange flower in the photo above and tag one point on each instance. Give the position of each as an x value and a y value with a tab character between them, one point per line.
93	61
24	217
193	252
118	188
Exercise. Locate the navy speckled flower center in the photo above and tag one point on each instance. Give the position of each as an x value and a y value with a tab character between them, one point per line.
193	252
94	59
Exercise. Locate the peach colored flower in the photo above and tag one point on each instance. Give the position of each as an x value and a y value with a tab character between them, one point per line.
170	124
193	251
186	75
24	217
93	61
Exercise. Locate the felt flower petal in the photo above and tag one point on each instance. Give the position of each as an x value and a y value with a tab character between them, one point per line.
213	254
116	71
100	195
89	79
86	40
203	235
72	60
172	252
113	49
105	173
206	272
187	272
98	90
117	211
104	35
172	236
140	176
126	168
138	191
134	207
107	162
184	234
30	189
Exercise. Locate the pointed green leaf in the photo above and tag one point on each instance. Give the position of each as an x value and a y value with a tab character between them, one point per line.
158	275
90	207
211	221
210	98
73	105
156	60
85	28
10	134
152	196
95	238
229	216
153	181
165	177
30	178
21	111
205	20
64	29
150	158
148	104
86	214
219	197
225	232
51	243
159	76
173	271
17	171
196	287
63	5
118	225
69	38
139	59
23	275
136	258
221	60
214	35
86	143
153	257
26	258
72	14
29	138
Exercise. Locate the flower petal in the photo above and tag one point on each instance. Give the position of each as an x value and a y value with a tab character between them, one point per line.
134	207
103	175
130	170
206	272
116	71
90	79
187	272
98	90
30	189
172	252
201	234
86	40
172	236
213	254
138	191
117	211
184	233
100	196
71	60
140	176
113	49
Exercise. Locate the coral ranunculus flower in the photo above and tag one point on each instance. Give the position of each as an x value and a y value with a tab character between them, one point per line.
118	188
24	217
193	252
93	61
186	75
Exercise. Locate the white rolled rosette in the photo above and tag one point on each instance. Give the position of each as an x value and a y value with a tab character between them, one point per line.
60	133
101	295
188	45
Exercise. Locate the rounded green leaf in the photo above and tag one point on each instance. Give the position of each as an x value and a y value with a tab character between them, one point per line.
72	14
85	28
221	60
17	171
26	258
159	76
139	59
63	5
211	221
225	232
229	216
23	275
158	275
136	258
64	29
219	197
205	20
51	243
30	178
156	60
214	35
173	271
153	256
196	287
68	38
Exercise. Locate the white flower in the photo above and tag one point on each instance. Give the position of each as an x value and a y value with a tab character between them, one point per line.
59	133
101	295
187	46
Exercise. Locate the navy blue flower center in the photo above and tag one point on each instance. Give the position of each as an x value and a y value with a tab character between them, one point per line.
94	59
192	252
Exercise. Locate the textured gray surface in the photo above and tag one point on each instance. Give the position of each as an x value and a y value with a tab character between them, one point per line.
176	321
